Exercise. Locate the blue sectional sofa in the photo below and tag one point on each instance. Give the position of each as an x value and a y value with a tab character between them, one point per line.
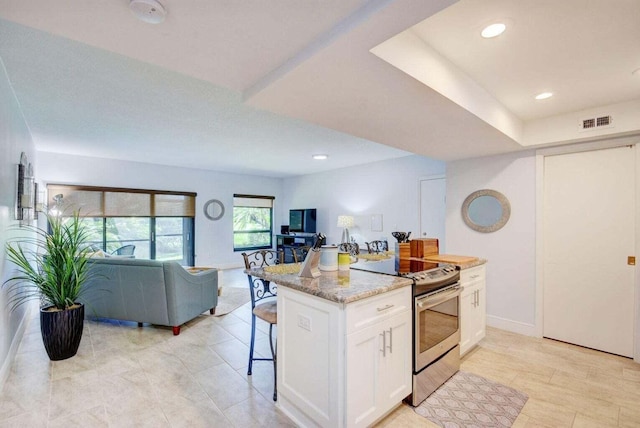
151	291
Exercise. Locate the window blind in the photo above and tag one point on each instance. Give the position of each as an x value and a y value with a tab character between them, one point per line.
118	202
253	201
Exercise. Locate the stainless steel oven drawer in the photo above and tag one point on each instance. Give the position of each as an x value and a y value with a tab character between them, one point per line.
434	375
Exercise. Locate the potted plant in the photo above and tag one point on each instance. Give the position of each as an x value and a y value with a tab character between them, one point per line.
52	266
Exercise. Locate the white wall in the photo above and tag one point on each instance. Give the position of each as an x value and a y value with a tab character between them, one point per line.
213	239
511	250
390	188
15	138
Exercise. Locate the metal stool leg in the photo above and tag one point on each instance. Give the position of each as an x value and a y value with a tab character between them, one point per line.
253	338
275	366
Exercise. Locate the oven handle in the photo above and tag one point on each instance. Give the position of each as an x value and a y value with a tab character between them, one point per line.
435	299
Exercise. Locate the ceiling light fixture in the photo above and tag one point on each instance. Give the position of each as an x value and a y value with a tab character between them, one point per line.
493	30
150	11
544	95
320	157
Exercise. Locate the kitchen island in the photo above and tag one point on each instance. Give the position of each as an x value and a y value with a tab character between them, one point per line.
343	346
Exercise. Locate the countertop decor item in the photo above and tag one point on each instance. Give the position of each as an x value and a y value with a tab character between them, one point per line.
401	237
52	265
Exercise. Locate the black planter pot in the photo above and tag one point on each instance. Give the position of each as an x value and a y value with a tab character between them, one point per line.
62	331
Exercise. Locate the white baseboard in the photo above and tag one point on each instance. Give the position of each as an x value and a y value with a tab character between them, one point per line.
512	326
5	370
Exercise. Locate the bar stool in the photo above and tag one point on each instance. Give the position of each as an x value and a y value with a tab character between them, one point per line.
266	310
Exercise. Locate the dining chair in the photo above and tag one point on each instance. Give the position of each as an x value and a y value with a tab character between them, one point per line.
300	253
375	247
349	247
263	304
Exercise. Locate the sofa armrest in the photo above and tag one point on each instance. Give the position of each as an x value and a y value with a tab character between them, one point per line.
189	294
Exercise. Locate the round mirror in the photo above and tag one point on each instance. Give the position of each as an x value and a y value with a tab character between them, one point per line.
214	209
486	210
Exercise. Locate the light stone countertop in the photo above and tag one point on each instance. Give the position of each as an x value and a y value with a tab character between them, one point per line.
340	287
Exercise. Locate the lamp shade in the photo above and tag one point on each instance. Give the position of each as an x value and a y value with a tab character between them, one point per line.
345	221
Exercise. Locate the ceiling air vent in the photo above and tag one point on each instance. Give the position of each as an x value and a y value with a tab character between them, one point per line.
595	123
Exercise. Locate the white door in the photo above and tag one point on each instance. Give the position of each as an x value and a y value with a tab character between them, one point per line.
589	212
432	210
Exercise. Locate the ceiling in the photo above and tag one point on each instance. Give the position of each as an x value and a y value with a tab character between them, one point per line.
257	87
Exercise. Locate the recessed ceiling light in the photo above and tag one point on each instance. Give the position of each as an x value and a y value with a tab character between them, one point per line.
320	157
544	95
493	30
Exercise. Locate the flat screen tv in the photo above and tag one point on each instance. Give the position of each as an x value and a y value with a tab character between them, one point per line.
302	220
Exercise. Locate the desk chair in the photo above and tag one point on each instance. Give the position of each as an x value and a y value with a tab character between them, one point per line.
266	310
300	253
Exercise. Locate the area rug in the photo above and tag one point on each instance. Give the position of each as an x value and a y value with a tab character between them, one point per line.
467	400
231	299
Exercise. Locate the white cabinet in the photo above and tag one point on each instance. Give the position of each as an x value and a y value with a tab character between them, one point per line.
473	307
378	369
343	365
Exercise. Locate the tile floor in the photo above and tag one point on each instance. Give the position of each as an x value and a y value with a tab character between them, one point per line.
125	376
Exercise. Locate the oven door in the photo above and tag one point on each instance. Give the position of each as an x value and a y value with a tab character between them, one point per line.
437	325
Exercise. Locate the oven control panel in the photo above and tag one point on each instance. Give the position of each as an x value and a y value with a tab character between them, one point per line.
431	280
435	275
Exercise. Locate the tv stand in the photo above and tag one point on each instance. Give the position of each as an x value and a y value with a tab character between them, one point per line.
286	243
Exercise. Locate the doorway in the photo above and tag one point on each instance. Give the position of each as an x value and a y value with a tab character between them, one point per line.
433	192
589	215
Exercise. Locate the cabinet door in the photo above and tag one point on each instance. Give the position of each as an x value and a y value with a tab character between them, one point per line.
363	365
395	367
467	313
377	381
480	314
472	315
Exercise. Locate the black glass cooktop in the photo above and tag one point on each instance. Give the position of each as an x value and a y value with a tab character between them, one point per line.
427	277
393	266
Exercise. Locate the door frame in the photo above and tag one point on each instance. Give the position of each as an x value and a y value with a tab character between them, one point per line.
539	190
426	178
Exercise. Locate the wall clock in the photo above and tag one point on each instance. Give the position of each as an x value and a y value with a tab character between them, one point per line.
214	209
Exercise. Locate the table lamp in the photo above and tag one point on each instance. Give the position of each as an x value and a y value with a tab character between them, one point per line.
345	221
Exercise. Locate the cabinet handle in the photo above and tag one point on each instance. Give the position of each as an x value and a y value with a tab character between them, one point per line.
475	276
385	308
384	343
391	340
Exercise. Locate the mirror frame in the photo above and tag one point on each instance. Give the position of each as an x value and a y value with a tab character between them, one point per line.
504	204
213	202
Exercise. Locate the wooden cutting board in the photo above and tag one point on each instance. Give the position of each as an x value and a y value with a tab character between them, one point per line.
448	258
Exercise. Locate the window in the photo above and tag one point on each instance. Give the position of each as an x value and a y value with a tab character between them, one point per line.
252	222
160	224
